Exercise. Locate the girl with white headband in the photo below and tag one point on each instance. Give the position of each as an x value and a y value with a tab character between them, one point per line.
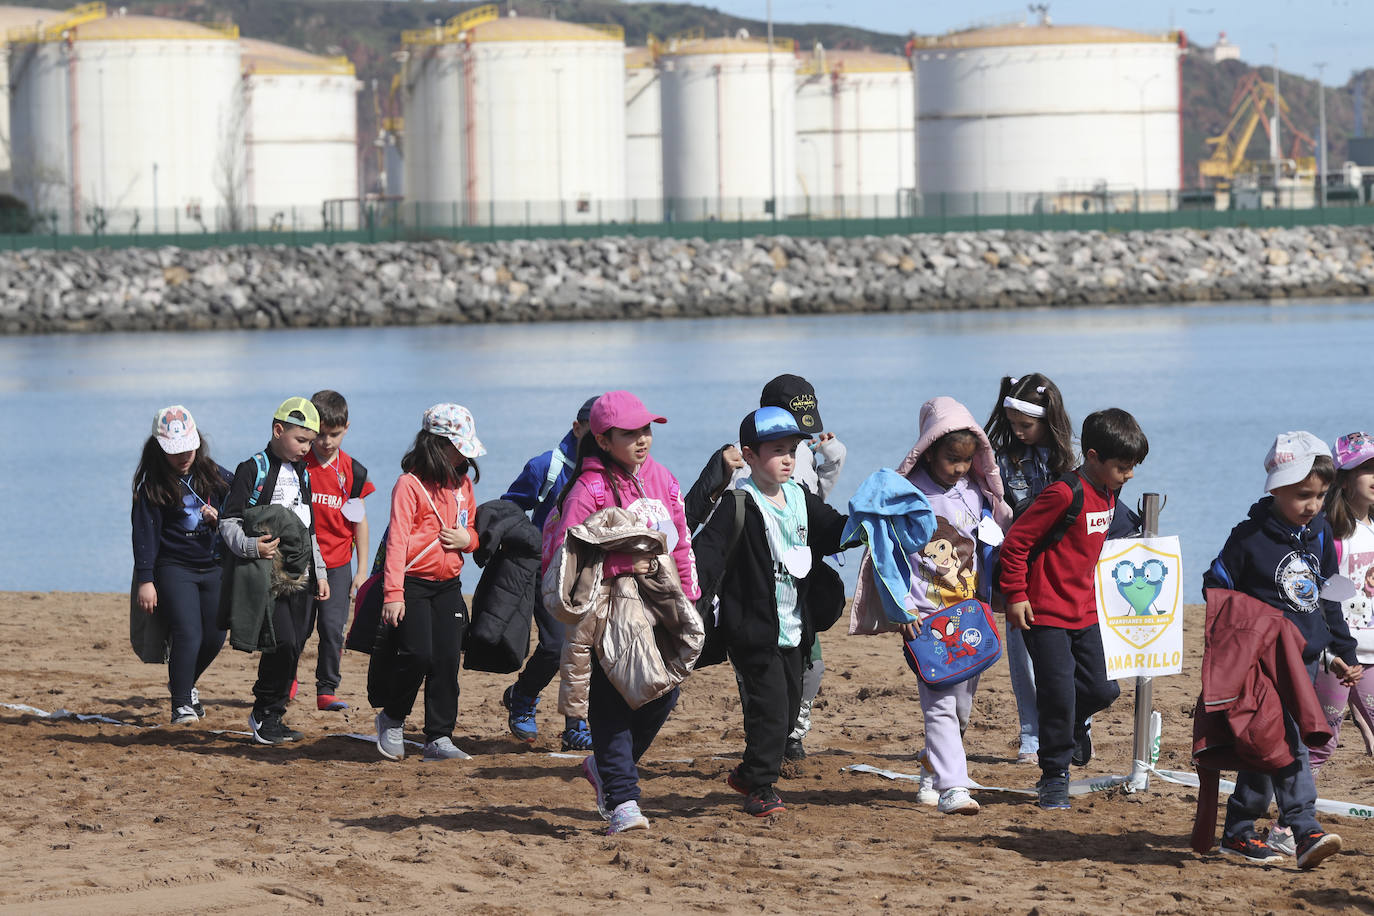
1034	442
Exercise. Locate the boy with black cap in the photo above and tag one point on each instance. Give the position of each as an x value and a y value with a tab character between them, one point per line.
762	585
278	476
536	491
819	461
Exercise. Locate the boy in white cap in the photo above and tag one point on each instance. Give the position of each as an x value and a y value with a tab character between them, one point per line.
277	475
1283	554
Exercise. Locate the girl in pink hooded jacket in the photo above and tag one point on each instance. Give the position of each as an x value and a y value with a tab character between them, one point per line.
953	465
614	469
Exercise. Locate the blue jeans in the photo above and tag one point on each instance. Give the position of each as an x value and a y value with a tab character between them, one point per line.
1023	688
188	599
621	735
1292	787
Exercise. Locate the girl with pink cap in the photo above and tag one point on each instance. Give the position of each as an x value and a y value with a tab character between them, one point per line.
614	469
1350	510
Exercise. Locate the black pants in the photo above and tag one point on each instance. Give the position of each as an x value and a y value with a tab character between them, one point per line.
1070	686
770	691
621	735
277	669
547	656
330	618
422	649
188	600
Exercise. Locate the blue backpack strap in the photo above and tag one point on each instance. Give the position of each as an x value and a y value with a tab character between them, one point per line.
261	466
557	462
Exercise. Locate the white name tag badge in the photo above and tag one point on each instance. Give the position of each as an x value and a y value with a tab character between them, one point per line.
989	532
353	510
797	561
1338	588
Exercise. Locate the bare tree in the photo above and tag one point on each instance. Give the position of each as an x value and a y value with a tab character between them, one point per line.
230	178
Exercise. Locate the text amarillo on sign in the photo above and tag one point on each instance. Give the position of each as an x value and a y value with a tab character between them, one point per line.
1144	660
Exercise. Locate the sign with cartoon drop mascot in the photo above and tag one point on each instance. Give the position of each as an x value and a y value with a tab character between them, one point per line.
1140	603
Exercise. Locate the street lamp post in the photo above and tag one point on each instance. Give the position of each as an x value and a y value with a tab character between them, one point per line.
1321	132
1144	155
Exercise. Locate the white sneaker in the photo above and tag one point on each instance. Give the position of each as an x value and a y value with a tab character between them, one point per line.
184	715
926	795
627	816
957	801
196	705
444	749
1280	839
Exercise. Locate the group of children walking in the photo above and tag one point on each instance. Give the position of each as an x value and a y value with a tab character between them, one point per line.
643	583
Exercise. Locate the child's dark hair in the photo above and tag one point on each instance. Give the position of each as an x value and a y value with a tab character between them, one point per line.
158	482
332	407
953	437
1115	436
1338	510
428	460
587	447
1036	389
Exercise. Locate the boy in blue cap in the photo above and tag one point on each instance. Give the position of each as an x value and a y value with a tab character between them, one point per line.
762	585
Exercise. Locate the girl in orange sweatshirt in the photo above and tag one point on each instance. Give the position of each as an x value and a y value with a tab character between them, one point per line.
433	523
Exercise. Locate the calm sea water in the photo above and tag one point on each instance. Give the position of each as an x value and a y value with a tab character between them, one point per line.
1210	384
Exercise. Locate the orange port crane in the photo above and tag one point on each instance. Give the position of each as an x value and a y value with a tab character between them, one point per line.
1251	106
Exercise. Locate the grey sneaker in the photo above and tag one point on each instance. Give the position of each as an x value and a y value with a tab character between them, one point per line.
391	742
444	749
1280	839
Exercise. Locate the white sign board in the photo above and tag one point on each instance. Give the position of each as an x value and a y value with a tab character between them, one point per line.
1139	584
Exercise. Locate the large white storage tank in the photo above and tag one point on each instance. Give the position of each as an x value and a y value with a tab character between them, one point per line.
114	116
856	134
513	119
643	136
716	128
19	19
300	134
1047	117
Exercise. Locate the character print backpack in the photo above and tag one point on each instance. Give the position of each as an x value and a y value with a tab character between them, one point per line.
954	644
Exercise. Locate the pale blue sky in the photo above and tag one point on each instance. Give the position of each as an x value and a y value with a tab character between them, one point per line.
1306	31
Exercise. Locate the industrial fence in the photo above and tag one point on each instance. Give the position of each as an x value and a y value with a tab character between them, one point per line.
387	220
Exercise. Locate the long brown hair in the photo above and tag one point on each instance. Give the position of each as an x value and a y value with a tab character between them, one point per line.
158	482
1036	389
428	460
1338	509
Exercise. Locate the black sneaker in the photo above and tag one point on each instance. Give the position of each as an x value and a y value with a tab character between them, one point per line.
272	730
1315	846
1053	792
196	706
763	801
1082	746
794	750
733	780
1250	848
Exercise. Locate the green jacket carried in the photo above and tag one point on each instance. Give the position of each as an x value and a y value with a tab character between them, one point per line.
250	587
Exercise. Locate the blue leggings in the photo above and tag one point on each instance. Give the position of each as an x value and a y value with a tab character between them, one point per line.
188	600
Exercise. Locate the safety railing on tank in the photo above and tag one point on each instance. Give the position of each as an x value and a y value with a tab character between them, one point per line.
454	28
393	219
53	31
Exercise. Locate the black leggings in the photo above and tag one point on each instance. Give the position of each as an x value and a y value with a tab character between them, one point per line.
188	601
422	649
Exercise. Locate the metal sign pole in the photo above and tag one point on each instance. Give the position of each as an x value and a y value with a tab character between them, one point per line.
1141	749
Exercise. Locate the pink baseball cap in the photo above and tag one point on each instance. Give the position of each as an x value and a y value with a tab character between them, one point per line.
1353	450
621	410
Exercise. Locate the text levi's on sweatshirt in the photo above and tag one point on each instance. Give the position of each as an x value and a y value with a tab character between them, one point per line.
1058	582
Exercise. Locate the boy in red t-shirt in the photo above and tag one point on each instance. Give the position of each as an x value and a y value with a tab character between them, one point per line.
338	486
1049	589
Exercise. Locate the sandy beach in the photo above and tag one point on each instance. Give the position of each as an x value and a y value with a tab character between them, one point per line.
148	818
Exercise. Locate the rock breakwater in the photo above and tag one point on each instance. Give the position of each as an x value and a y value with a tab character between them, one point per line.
440	282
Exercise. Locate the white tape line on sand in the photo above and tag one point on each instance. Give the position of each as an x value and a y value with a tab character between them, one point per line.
1101	784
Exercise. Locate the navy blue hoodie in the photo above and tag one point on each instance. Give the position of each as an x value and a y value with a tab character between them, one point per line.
1283	566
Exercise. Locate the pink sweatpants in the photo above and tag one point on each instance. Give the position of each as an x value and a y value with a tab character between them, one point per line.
946	711
1334	698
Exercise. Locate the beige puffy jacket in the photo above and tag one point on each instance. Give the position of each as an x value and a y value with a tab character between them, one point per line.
645	632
